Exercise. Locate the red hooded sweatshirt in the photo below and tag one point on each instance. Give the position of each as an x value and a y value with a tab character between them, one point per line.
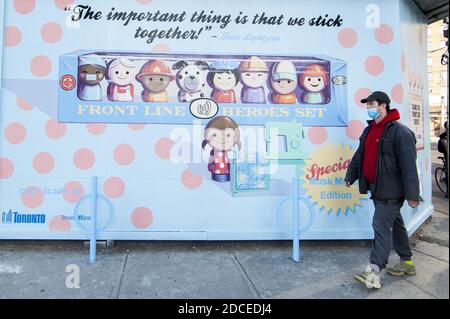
371	145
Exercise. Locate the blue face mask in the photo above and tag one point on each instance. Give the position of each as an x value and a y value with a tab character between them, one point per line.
373	113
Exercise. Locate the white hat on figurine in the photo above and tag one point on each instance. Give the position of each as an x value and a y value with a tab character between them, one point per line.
284	70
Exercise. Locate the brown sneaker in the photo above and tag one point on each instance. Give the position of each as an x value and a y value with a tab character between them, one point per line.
402	269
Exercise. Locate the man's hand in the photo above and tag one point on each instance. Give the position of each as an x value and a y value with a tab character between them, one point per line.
348	184
413	203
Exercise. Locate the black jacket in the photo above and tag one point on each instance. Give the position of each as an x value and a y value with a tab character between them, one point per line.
396	174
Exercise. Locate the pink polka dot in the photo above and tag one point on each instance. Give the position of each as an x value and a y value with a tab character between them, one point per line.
62	4
6	168
136	127
403	62
23	104
124	154
24	6
84	159
55	130
144	1
51	32
361	94
96	129
162	48
354	129
374	65
32	197
73	192
15	133
384	34
397	93
114	187
13	36
191	180
43	163
58	223
142	217
163	148
347	38
317	135
41	66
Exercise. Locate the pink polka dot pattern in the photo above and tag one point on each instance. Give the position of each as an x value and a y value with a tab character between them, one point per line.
374	65
55	130
142	217
6	168
124	154
51	32
62	4
361	94
136	127
354	129
43	163
162	48
163	148
41	66
13	36
32	197
15	133
347	38
384	34
144	1
84	159
317	135
114	187
397	93
23	104
59	224
191	180
96	129
24	6
73	192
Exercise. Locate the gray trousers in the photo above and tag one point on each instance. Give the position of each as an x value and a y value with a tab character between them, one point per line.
390	231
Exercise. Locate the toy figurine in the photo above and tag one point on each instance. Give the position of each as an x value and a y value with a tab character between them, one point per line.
191	79
91	71
121	73
254	74
284	83
314	79
221	134
155	76
223	78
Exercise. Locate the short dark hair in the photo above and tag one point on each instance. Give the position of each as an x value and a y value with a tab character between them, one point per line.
388	107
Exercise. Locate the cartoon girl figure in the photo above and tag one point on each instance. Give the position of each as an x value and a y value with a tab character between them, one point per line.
223	78
121	73
313	80
254	73
221	134
284	83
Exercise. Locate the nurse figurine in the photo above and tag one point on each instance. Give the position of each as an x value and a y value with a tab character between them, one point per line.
314	79
91	71
221	134
284	82
223	78
155	76
254	73
121	73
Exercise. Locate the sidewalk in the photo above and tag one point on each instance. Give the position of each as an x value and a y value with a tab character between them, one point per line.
223	269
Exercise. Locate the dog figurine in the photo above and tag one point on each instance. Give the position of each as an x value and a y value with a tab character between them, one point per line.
191	79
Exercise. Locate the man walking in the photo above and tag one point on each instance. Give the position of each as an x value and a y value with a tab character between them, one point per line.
385	165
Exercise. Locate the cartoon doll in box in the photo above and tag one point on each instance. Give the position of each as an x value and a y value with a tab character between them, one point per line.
223	78
191	79
284	82
91	71
314	81
254	73
155	76
221	134
121	73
